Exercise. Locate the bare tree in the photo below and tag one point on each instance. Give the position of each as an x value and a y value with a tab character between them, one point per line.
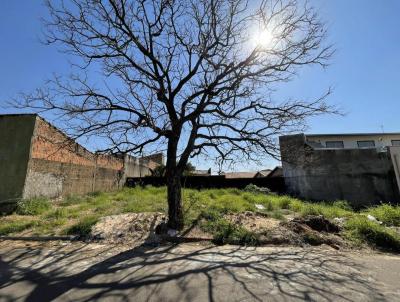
195	76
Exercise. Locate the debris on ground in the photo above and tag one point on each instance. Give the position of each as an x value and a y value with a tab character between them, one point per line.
126	228
372	218
339	221
152	228
259	206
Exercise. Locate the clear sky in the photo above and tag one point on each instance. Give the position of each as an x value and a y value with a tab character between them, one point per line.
365	71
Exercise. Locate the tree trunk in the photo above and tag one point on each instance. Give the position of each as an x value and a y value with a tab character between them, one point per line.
175	211
174	188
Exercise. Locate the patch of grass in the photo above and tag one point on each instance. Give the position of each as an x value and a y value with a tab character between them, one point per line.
284	202
277	215
9	227
71	200
225	232
34	206
342	204
359	229
83	227
56	213
325	209
388	214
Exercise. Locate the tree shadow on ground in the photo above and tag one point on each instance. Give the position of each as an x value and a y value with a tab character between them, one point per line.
90	272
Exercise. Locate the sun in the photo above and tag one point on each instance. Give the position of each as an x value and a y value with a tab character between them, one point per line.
262	38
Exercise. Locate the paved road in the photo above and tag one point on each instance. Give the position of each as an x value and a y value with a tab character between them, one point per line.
94	272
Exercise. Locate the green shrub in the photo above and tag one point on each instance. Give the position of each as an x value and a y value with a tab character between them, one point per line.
83	227
35	206
255	189
360	229
388	214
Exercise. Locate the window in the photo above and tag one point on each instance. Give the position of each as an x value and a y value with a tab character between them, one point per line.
334	144
366	144
396	142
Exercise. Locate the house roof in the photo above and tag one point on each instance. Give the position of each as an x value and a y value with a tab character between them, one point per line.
200	172
240	174
263	173
276	172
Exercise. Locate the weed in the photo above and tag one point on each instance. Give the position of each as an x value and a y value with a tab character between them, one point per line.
269	206
284	202
34	206
277	215
225	232
15	227
388	214
359	229
342	204
57	213
83	227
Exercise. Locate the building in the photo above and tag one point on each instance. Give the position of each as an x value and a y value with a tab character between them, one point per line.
240	174
200	172
361	168
353	140
37	159
262	173
276	172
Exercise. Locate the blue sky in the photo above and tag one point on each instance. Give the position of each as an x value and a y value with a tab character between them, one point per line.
365	71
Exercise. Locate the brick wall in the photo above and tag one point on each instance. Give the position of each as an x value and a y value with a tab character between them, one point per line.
59	166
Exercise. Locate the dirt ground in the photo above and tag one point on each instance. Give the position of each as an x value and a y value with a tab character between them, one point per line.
140	227
77	271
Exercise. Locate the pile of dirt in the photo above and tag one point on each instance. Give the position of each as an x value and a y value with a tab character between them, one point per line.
318	223
315	230
128	228
255	222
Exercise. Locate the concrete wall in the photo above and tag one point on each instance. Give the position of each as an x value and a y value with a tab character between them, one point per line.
350	141
15	140
361	176
135	167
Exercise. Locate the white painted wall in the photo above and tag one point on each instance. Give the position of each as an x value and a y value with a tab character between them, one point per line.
350	141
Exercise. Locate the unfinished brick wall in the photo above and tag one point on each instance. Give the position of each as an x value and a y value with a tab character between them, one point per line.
59	166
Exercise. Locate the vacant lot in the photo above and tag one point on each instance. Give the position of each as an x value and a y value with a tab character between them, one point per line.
246	217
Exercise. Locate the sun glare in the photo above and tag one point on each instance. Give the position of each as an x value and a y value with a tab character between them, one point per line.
262	38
